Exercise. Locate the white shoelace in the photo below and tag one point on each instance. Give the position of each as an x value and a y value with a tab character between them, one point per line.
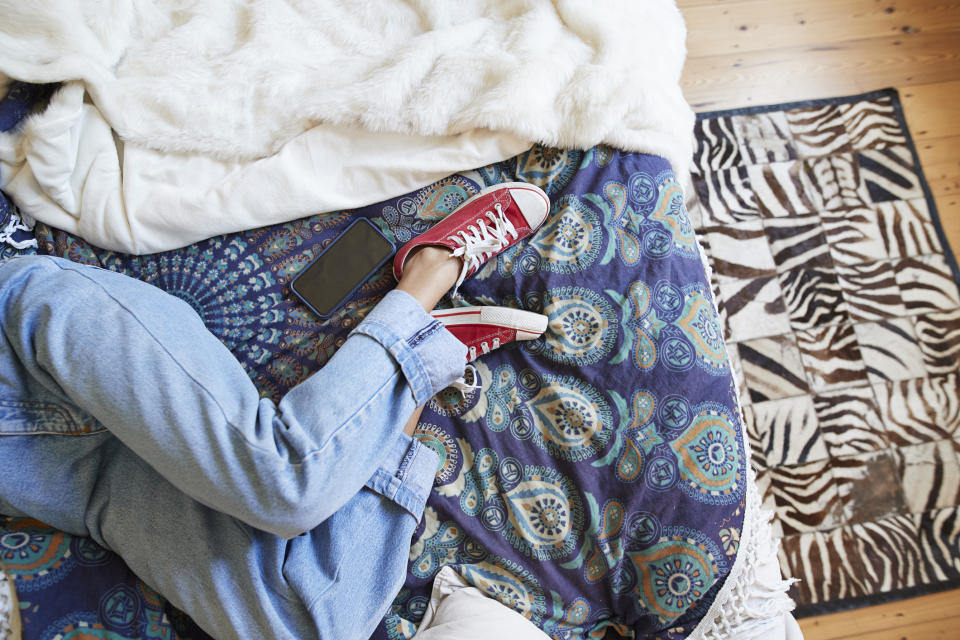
484	348
478	243
461	382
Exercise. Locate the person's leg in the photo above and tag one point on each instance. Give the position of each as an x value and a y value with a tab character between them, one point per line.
334	582
142	364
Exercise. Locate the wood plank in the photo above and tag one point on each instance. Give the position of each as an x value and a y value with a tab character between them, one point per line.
910	614
940	159
800	73
933	110
945	629
753	25
949	210
683	4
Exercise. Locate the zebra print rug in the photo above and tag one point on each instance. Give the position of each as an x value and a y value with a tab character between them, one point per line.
842	313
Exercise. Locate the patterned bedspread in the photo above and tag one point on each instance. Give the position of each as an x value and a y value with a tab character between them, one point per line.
597	481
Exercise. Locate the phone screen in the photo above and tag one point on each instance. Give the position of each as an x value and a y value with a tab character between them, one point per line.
344	265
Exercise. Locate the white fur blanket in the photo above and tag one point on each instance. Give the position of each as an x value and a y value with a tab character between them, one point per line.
238	79
184	119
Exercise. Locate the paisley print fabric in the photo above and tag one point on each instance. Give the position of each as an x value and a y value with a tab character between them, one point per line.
70	587
594	482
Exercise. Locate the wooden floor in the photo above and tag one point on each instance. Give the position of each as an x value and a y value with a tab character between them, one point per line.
754	52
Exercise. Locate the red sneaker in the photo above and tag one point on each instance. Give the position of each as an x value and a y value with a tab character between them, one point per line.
484	329
482	227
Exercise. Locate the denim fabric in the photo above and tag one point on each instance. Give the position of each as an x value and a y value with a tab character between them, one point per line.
123	419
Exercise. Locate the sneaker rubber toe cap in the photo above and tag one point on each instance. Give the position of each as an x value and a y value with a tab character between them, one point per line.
533	204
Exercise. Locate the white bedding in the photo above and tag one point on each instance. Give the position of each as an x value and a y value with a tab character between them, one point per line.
238	82
65	168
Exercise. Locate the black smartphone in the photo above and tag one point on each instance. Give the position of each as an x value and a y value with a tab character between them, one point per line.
342	267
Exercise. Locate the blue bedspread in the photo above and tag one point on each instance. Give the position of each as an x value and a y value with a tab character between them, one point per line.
597	481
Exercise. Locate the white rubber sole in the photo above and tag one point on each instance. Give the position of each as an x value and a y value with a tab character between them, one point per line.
527	324
533	202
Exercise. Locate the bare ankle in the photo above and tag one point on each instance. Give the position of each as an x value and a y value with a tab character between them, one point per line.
428	274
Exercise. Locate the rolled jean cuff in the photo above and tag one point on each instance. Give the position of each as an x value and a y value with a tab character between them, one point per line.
406	476
429	356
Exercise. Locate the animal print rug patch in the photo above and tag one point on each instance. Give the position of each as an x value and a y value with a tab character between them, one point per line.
842	312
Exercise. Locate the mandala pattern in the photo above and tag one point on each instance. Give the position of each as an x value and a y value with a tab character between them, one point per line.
571	418
675	573
542	511
582	329
710	456
678	329
34	556
549	168
410	216
537	509
629	386
445	447
668	442
568	242
508	583
452	402
565	416
648	217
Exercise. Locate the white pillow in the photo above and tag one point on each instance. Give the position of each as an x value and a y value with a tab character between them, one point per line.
457	611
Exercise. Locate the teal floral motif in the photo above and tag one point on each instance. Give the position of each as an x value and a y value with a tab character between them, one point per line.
611	535
699	322
568	242
641	326
571	419
452	402
445	447
412	215
405	611
544	512
598	156
510	584
730	539
582	328
674	574
710	456
564	415
441	544
577	620
676	328
647	217
549	168
42	556
536	509
602	547
668	442
636	437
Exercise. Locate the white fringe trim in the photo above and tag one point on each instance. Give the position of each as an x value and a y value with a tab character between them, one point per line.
9	609
747	604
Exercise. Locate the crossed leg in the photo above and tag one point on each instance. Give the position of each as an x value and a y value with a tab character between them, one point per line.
125	420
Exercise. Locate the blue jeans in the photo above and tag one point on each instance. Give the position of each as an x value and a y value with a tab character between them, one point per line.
123	419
